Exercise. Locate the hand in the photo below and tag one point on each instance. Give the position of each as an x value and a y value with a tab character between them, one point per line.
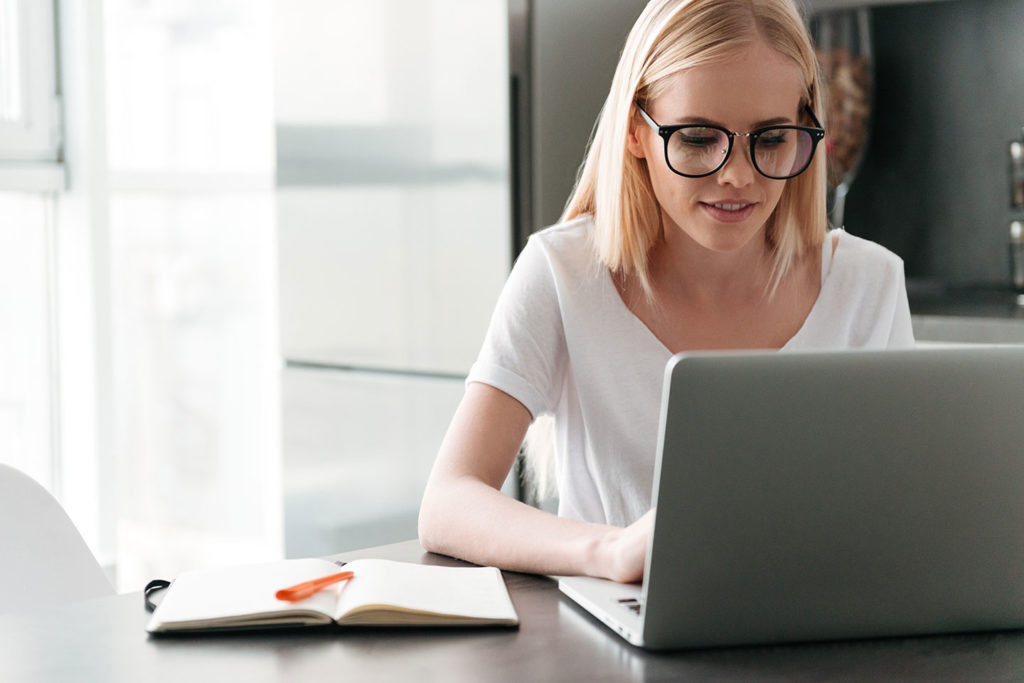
627	550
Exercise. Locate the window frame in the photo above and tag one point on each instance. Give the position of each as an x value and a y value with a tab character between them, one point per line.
31	143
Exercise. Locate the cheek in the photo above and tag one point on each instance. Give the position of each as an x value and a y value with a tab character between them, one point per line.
775	193
672	191
668	185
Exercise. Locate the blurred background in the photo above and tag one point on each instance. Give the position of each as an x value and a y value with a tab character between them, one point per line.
138	361
249	248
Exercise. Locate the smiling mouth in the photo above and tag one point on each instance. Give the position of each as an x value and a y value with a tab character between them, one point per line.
729	207
729	212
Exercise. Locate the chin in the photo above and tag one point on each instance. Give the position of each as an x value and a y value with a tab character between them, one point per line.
725	238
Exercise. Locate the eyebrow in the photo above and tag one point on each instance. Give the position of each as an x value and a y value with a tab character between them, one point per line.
777	121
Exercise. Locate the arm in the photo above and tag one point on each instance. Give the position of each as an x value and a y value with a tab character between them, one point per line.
465	515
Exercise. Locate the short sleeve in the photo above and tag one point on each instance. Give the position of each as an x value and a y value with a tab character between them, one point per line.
901	333
863	301
523	353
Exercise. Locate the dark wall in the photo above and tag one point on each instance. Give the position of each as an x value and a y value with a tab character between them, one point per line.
949	96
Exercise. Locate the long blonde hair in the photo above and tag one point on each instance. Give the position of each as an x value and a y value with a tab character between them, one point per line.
670	36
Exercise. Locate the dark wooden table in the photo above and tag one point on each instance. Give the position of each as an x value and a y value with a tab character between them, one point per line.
103	640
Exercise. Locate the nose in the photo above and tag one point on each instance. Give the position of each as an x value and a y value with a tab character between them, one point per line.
739	169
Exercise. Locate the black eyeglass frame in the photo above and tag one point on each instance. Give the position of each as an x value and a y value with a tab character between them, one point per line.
817	134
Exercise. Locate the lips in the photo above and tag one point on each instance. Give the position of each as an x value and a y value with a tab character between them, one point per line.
729	211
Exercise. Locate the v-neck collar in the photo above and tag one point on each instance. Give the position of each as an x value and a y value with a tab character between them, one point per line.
827	261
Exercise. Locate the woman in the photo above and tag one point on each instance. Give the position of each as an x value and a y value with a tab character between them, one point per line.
698	222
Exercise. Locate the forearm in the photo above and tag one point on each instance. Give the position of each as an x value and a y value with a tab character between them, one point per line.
466	518
464	515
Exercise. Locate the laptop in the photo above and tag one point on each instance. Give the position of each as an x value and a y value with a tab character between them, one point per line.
830	495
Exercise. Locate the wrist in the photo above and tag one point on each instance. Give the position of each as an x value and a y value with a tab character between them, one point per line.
600	555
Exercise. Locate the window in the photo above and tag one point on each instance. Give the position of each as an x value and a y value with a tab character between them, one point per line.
138	353
193	293
25	357
30	129
29	173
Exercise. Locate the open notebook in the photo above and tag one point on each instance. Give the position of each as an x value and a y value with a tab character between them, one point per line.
381	593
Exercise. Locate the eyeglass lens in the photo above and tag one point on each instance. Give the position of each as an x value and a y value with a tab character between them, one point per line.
777	152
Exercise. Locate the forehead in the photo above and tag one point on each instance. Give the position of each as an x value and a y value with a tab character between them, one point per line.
756	84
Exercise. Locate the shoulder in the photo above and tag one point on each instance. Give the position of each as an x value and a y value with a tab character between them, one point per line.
864	275
551	258
564	250
857	252
568	240
863	299
858	263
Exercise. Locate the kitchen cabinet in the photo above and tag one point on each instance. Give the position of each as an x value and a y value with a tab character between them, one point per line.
360	446
394	240
968	330
826	5
974	315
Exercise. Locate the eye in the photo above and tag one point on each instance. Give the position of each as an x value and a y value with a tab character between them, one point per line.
698	136
776	136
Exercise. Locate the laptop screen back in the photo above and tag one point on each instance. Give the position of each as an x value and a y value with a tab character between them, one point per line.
822	495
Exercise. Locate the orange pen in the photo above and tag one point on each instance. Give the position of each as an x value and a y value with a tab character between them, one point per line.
302	591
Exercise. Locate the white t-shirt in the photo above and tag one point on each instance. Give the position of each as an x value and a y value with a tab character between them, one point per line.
562	341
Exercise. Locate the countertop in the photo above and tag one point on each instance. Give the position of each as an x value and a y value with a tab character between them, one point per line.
932	298
103	641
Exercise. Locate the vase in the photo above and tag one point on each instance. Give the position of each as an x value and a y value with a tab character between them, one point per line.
842	40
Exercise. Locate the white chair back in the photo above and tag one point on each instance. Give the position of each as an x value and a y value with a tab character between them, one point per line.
43	559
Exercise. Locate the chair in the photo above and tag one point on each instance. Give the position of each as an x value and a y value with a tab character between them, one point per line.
43	559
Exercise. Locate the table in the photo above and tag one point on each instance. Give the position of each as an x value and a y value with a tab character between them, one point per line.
103	640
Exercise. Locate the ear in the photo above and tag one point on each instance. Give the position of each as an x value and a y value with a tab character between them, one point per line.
636	125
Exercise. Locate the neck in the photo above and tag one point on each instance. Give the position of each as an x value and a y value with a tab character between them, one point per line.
682	267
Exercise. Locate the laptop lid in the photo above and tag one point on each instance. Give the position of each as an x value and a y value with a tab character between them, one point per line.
826	495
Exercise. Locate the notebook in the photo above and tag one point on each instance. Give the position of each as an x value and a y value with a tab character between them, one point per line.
379	593
830	495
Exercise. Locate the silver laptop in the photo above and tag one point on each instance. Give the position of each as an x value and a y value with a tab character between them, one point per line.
830	495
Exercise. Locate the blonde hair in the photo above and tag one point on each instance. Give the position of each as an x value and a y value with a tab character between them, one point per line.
670	36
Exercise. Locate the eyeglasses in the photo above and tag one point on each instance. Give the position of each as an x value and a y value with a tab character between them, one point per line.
695	150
